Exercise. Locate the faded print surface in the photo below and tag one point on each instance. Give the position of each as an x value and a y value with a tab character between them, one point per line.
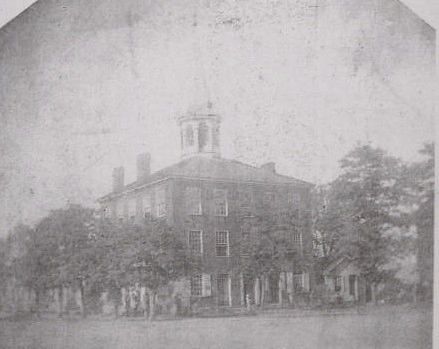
264	162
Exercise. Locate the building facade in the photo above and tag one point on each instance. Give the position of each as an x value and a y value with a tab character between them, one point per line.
215	204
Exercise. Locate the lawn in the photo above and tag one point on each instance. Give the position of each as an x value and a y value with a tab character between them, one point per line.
389	327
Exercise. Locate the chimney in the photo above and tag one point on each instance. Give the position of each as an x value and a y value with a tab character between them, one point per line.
143	166
269	167
118	179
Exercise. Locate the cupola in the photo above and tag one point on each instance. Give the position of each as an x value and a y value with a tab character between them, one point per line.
200	132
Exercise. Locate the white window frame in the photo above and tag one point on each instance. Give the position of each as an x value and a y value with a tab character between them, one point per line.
199	288
301	277
245	238
339	282
216	201
298	239
222	244
226	277
200	232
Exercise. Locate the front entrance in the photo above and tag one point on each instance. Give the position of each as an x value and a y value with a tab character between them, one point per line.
273	288
248	289
223	289
352	279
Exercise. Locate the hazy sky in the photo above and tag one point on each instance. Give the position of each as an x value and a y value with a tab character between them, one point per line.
86	86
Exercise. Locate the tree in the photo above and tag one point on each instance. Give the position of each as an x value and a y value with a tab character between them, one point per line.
112	275
418	187
149	254
68	258
4	271
30	261
273	250
365	197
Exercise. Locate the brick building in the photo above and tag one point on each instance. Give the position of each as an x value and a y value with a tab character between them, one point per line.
214	204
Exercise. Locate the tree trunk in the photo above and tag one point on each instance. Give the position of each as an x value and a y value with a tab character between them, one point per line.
373	293
257	291
262	291
60	301
116	310
37	303
82	296
144	301
151	305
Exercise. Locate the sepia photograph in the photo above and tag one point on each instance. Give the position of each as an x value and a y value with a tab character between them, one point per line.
217	174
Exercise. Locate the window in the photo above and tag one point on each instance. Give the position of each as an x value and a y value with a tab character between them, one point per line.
203	135
193	201
297	240
299	281
201	285
222	243
196	241
197	285
161	202
352	279
245	243
338	281
146	206
189	135
220	199
223	289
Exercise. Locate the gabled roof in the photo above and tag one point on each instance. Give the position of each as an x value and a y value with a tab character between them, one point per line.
198	167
